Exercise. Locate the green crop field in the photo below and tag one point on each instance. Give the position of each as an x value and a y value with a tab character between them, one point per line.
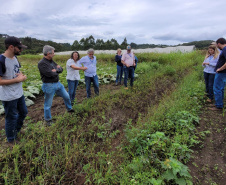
142	135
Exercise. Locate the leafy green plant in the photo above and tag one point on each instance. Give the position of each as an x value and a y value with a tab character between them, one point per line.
176	172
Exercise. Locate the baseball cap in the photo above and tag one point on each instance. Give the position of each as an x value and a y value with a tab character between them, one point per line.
128	47
14	41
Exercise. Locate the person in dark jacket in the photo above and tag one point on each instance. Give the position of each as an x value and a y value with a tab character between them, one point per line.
220	76
119	67
49	72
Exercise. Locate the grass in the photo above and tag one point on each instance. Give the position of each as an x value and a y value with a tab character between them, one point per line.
153	126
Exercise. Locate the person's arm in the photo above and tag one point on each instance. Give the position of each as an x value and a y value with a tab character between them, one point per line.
59	69
134	63
224	66
47	70
78	68
205	62
221	68
213	62
20	78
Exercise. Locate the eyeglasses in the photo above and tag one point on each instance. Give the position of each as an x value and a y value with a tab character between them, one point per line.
18	47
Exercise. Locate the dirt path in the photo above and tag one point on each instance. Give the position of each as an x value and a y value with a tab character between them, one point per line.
209	163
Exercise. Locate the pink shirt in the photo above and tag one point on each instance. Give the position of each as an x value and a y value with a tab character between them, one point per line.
128	58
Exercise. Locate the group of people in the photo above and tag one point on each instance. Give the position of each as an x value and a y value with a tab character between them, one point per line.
125	63
11	78
215	73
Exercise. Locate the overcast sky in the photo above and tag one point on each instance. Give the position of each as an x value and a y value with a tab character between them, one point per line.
168	22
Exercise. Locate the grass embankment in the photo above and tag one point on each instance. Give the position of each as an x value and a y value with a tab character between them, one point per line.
139	136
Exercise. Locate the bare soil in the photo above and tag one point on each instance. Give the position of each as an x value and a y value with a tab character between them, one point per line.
208	165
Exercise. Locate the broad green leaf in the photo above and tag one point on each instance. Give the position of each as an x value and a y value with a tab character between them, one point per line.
33	90
180	181
29	102
2	111
28	94
168	175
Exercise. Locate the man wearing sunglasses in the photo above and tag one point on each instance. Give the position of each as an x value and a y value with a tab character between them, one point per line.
11	90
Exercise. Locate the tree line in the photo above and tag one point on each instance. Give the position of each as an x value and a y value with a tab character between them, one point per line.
35	46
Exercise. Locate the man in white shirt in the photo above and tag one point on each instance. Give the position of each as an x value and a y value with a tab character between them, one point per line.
128	61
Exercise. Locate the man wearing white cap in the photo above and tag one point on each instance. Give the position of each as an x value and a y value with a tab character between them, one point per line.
128	61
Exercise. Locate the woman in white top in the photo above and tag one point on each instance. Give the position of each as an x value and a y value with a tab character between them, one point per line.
73	76
209	64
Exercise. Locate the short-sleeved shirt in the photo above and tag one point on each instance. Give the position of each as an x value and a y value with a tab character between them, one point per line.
8	70
91	65
72	74
128	58
221	60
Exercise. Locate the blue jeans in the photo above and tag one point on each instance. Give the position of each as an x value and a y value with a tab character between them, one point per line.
209	81
49	90
15	113
129	72
119	74
218	88
72	86
95	81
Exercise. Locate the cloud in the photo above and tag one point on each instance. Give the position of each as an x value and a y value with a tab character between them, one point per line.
153	22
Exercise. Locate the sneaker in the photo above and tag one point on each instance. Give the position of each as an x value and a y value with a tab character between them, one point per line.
48	123
72	110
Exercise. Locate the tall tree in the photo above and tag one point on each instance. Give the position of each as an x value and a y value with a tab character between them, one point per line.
83	43
99	44
91	42
27	41
124	43
114	44
133	45
75	45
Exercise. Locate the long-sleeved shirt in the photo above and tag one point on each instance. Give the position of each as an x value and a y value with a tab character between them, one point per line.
91	70
45	67
212	63
221	61
118	60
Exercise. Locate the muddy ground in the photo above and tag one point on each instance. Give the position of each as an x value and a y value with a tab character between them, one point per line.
208	165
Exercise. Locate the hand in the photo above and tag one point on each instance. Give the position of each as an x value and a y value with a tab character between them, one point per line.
84	68
20	77
58	66
53	70
218	70
205	63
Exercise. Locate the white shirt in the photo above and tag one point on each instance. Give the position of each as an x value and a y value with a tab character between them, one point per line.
72	74
128	58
